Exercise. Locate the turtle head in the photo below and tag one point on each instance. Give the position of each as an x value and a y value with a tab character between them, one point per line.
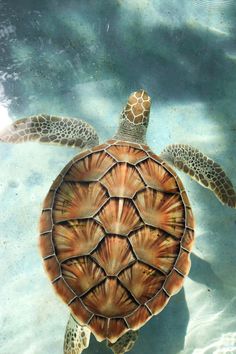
134	118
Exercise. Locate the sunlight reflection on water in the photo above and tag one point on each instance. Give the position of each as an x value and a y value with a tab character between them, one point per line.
225	344
5	119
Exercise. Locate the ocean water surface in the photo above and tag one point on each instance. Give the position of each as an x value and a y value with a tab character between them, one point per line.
82	59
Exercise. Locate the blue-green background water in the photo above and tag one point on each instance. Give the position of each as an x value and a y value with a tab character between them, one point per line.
83	58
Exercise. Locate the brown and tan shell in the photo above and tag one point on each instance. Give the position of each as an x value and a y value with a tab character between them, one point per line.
116	232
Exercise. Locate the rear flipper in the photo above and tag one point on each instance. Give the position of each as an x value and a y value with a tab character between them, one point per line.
76	337
124	344
51	129
202	169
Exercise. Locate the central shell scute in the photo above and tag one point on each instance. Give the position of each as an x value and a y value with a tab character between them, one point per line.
114	254
122	181
110	299
116	232
119	217
127	154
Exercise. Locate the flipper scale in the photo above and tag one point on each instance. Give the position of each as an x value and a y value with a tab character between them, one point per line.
76	337
51	129
203	170
125	343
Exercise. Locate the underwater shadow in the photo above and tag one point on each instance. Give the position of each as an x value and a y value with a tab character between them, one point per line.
202	272
164	333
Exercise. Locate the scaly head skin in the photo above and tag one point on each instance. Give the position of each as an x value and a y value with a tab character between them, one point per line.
134	118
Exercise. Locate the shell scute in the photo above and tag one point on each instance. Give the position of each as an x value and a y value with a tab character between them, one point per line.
63	290
119	217
188	239
122	181
128	143
78	200
145	147
155	247
139	317
156	158
56	182
116	232
111	141
48	201
45	222
52	267
127	153
142	281
80	156
158	302
90	168
183	263
109	299
157	177
84	269
76	238
79	310
164	211
173	283
116	328
45	244
113	254
189	218
185	199
99	325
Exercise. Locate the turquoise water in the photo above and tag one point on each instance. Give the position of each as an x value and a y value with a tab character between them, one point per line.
82	59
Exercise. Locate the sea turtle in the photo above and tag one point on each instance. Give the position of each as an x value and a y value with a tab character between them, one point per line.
117	228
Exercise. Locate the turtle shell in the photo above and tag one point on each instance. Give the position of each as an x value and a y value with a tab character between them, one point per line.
116	231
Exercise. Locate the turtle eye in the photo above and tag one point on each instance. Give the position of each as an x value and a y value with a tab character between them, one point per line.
138	108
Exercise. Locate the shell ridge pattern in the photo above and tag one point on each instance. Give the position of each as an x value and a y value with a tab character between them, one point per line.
116	248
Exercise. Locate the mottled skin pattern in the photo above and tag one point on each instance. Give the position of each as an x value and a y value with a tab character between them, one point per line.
76	337
134	118
116	232
203	170
51	129
125	343
132	128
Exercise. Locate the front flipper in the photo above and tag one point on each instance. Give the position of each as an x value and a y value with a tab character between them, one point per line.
76	337
204	170
124	344
51	129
